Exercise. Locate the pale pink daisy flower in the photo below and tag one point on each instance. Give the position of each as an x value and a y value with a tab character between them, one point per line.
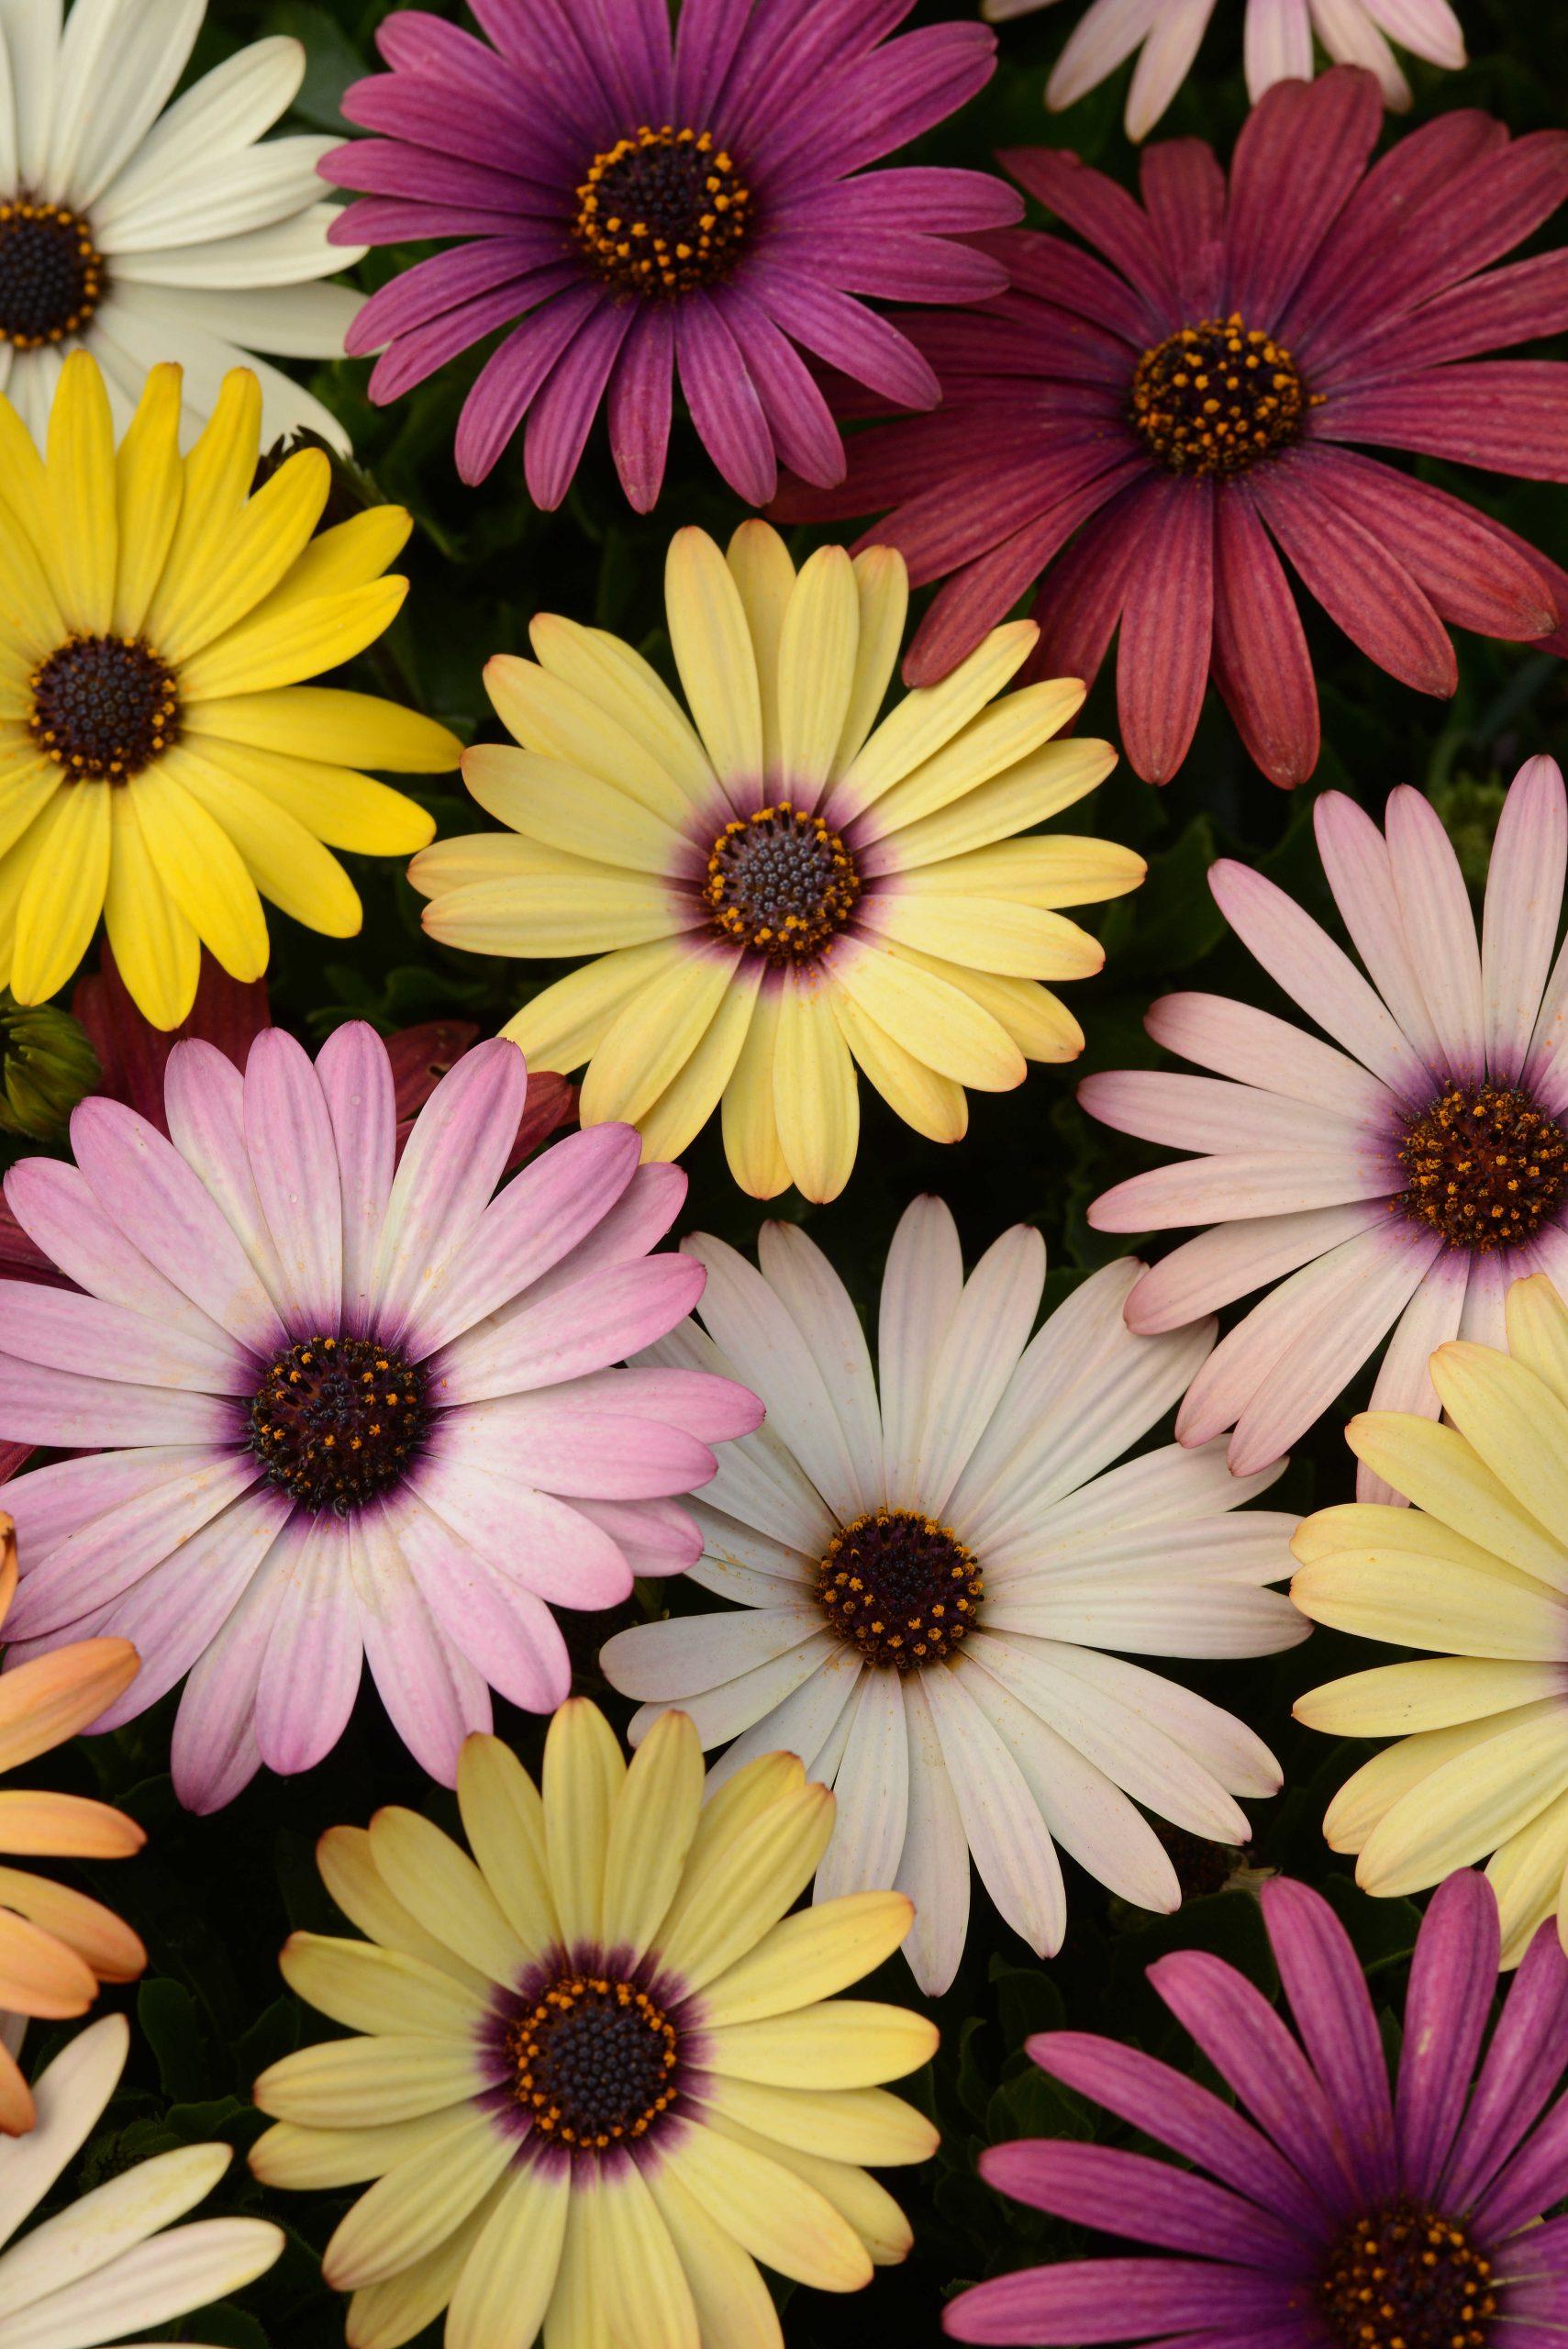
932	1561
341	1412
1396	1179
1278	45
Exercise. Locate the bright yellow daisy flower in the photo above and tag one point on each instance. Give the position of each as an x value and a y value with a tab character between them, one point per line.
1478	1570
161	762
780	889
605	2074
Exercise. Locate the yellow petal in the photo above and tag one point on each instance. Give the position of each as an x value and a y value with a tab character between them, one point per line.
713	648
1379	1525
385	2314
202	870
557	914
347	1862
770	1854
444	1891
1396	1700
817	645
1470	1805
1514	1422
217	477
759	564
410	2213
772	2213
333	804
150	483
567	1022
24	795
926	719
1047	869
1435	1468
323	722
156	950
1416	1602
252	555
984	933
934	1106
63	894
644	2301
350	554
83	533
380	1990
856	2195
654	1037
262	653
733	2304
545	714
571	809
369	2082
991	745
316	2160
841	2124
842	2044
1025	793
620	682
654	1819
503	1817
689	1099
1371	1792
1538	1331
27	600
509	2277
750	1129
287	864
882	589
1526	1876
931	1018
583	1773
808	1956
815	1099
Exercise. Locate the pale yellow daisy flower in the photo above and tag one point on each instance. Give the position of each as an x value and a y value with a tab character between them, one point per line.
603	2072
1477	1570
780	889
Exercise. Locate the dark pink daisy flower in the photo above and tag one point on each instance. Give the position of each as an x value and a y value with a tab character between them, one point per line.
1161	425
633	207
1326	2208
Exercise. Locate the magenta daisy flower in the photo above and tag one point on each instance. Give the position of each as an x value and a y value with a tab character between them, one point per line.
342	1413
1160	418
631	207
1323	2209
1399	1177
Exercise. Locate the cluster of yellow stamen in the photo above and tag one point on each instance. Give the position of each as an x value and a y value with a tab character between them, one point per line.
1404	2278
1485	1166
780	883
336	1420
52	273
103	706
900	1587
662	211
595	2062
1215	397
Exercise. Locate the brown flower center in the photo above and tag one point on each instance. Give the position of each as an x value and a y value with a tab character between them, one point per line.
1405	2278
901	1588
593	2062
1216	397
663	211
338	1421
103	706
52	275
1485	1166
781	884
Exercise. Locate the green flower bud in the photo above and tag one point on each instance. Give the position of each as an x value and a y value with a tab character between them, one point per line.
46	1066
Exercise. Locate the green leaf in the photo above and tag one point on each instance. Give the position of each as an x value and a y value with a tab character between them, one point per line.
171	2024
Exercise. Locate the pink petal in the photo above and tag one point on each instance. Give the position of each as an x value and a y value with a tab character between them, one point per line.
205	1098
101	1560
1524	905
1230	1259
1240	1042
597	1321
56	1328
594	1454
1439	929
310	1672
71	1413
544	1545
55	1206
505	1631
355	1072
433	1696
453	1162
294	1162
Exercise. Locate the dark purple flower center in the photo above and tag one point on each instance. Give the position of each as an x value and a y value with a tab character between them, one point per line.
1484	1165
1216	397
781	884
663	211
899	1586
595	2062
52	277
1405	2278
103	706
338	1421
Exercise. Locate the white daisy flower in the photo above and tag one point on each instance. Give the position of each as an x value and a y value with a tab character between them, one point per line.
111	2264
929	1578
149	231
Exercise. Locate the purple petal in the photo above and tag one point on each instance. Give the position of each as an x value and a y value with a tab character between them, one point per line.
55	1206
1323	1980
868	349
172	1614
1524	2062
594	1455
1128	2193
723	400
68	1412
1301	153
1452	1978
512	375
1084	2300
564	411
638	404
60	1330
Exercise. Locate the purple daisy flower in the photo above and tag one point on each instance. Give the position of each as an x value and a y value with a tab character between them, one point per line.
631	206
344	1407
1336	2213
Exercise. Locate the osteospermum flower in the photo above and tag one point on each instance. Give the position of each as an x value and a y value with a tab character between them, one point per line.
1321	2210
1396	1179
162	762
338	1413
112	2262
632	212
56	1945
1277	41
605	2075
1477	1571
144	231
786	890
932	1562
1153	423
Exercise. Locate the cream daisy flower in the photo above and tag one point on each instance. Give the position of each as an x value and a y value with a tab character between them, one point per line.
780	890
604	2073
929	1576
112	2263
1478	1570
147	231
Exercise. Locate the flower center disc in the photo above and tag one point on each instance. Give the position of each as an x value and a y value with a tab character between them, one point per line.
1215	397
1485	1167
596	2062
663	211
1403	2278
52	276
900	1586
103	706
781	882
338	1421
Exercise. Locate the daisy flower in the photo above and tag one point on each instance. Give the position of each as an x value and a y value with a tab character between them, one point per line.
56	1945
605	2074
1477	1571
632	209
112	2262
340	1413
780	890
144	231
1326	2207
1153	423
162	762
932	1561
1278	45
1396	1179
